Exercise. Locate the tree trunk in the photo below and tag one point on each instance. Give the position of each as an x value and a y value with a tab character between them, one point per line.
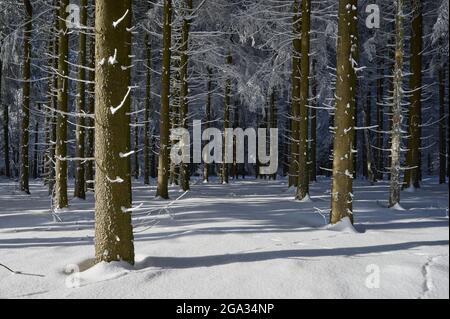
295	103
368	157
25	134
226	124
303	167
380	123
148	97
89	166
442	137
396	131
208	121
5	127
136	146
79	189
36	147
412	175
273	116
343	150
163	166
113	229
61	200
313	119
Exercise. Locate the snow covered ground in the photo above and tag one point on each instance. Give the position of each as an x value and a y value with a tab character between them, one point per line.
249	239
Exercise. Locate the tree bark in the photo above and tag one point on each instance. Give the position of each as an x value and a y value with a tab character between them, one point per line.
208	121
226	123
25	134
412	175
163	166
442	134
396	131
61	200
5	127
343	150
80	187
295	103
303	167
113	229
148	97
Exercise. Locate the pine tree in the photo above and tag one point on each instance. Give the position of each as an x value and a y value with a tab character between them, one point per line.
5	126
343	150
80	187
396	130
113	230
147	137
163	166
303	168
224	177
295	102
25	134
412	175
206	167
442	135
61	200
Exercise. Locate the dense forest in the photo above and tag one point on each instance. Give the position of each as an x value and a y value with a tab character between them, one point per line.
93	93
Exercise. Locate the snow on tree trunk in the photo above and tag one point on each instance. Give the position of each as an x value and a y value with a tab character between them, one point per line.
113	229
343	150
303	168
396	130
412	175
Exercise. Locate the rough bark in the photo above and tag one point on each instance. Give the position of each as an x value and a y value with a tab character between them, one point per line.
147	150
343	150
313	119
5	127
113	229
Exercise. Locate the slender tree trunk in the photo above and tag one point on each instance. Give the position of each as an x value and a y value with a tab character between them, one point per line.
273	116
412	175
25	134
442	137
89	166
36	147
295	103
80	187
379	138
5	127
313	119
206	167
148	96
163	167
226	123
235	170
343	150
303	168
184	103
136	147
368	158
396	131
61	200
113	229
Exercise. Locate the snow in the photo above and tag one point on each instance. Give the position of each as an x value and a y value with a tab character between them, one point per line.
258	243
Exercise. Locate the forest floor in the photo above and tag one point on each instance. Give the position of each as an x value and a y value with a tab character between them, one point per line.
249	239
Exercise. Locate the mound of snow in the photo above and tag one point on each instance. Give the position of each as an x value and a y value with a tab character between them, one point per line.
103	271
345	225
398	207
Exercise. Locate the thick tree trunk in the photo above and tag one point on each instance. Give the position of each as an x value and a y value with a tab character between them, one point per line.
295	103
343	150
442	134
79	189
412	175
113	229
25	134
163	166
303	167
61	200
147	111
396	131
